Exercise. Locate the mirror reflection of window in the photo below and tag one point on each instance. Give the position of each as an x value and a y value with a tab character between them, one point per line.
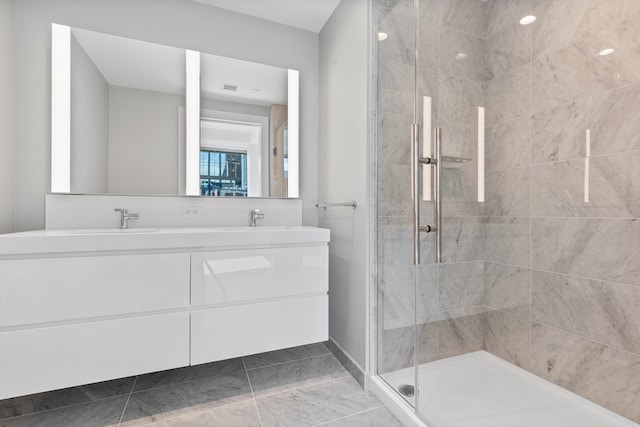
223	174
229	158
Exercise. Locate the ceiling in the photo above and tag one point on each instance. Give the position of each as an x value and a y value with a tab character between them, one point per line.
310	15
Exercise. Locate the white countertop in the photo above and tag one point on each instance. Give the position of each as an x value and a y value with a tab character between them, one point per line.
89	240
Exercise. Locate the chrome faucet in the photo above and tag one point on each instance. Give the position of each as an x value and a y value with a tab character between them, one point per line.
255	214
125	216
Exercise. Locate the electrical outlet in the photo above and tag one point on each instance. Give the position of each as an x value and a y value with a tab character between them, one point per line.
191	211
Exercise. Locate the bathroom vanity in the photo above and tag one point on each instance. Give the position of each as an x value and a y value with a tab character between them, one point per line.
82	306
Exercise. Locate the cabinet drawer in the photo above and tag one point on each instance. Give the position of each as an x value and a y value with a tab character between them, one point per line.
226	332
42	359
54	289
235	276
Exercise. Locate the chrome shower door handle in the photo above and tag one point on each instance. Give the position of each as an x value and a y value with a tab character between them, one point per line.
416	162
415	196
437	196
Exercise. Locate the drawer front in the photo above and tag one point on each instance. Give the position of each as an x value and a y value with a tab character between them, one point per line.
234	276
42	359
54	289
226	332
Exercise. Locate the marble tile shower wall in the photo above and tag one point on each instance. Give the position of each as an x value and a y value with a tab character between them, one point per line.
536	274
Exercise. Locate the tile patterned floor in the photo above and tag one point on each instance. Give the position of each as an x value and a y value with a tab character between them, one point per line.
301	386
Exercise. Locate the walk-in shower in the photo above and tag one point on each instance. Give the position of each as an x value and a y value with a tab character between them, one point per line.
508	210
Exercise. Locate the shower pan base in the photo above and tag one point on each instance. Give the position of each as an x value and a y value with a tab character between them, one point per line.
481	390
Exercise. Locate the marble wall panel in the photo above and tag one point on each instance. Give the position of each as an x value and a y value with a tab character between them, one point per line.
501	14
396	85
400	43
459	192
536	3
577	70
508	337
394	137
428	42
462	55
508	96
394	242
395	345
462	239
459	99
427	86
507	50
405	7
608	377
461	285
564	22
461	331
398	303
394	190
507	192
464	15
605	249
613	120
559	189
507	144
507	240
459	140
507	288
605	312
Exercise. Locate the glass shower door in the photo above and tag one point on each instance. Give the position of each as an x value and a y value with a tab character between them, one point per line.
429	160
397	302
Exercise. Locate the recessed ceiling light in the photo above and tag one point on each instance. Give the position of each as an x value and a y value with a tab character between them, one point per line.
607	51
460	55
529	19
382	36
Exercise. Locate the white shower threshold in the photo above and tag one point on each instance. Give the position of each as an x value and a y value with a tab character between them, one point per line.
481	390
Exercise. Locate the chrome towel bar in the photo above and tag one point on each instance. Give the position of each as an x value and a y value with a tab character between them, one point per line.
353	204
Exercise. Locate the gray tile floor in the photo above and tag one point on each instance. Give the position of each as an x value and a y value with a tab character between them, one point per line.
301	386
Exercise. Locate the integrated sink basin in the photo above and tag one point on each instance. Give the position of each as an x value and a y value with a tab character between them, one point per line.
169	238
113	231
263	228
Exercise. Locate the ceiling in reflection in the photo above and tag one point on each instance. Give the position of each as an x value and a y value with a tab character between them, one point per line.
310	15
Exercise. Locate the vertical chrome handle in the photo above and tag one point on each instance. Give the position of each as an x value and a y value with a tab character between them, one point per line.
415	196
437	196
416	161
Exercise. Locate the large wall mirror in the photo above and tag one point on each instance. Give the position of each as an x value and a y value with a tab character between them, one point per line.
138	118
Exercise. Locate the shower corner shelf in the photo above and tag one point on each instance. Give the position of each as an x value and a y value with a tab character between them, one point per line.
451	162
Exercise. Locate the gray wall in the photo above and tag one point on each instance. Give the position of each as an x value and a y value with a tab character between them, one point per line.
89	123
343	158
6	116
172	22
143	135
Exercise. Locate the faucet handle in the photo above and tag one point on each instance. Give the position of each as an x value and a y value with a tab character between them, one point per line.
124	211
255	214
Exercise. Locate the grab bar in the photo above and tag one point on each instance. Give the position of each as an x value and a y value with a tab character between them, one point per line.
416	162
353	204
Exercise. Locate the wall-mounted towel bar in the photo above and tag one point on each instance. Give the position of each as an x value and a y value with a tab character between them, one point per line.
352	204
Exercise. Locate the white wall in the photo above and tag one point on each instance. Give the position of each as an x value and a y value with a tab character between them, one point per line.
6	116
343	160
89	123
179	23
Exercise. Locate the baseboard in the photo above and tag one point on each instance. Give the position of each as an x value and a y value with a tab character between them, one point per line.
350	365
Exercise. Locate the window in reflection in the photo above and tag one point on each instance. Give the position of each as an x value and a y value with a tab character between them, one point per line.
223	173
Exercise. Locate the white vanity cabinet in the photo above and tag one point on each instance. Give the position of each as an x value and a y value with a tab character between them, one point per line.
66	321
252	301
79	307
